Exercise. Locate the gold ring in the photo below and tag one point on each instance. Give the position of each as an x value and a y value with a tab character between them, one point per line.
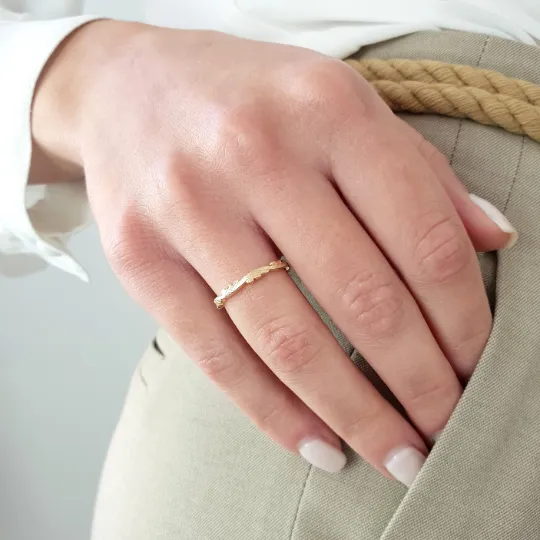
250	277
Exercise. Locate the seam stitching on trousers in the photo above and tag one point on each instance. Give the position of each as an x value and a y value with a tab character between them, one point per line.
142	377
514	178
295	520
460	127
157	347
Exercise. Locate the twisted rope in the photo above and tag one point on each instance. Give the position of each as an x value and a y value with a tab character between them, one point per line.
482	95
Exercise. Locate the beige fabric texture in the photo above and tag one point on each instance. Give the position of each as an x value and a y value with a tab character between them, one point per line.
184	464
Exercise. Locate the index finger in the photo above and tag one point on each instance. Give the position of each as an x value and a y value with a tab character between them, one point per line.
394	192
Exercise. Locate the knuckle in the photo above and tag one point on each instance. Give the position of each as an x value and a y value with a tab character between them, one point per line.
273	415
424	393
465	350
363	426
327	83
442	252
431	154
245	139
219	366
125	244
287	345
268	418
374	303
136	256
323	76
474	333
179	186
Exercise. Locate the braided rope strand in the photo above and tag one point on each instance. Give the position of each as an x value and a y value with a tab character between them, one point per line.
430	71
429	87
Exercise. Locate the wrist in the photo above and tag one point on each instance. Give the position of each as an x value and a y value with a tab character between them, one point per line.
62	94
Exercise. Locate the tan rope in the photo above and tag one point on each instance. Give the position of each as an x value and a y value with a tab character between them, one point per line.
482	95
429	71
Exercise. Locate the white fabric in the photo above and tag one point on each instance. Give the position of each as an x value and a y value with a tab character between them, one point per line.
30	30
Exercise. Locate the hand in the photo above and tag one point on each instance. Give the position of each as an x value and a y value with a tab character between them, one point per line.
207	156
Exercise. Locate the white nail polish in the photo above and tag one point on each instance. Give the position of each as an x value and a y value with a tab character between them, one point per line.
497	217
322	455
404	464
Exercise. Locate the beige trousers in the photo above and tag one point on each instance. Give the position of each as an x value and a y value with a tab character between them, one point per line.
185	464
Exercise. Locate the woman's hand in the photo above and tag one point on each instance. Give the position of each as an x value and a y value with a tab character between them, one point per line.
207	156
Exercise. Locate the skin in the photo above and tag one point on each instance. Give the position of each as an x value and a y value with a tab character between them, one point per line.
206	156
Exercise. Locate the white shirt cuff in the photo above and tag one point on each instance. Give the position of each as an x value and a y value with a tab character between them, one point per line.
25	48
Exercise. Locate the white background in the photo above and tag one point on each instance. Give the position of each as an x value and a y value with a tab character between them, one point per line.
67	352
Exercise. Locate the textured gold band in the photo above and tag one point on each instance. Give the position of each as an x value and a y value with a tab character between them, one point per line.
250	277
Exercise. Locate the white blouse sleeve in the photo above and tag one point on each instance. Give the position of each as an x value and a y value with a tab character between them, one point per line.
38	220
25	46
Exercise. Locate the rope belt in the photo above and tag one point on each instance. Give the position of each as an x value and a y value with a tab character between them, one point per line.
482	95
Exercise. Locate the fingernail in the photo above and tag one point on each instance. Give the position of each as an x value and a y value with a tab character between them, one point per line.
322	455
404	464
497	217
